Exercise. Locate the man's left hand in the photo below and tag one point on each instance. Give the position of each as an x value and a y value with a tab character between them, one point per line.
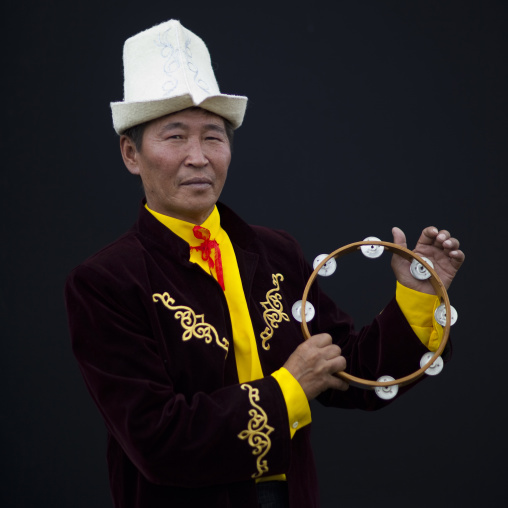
437	246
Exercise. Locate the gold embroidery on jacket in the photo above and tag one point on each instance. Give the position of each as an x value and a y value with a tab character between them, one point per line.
193	324
257	432
273	314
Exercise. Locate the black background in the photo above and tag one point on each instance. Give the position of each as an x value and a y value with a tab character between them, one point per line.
362	115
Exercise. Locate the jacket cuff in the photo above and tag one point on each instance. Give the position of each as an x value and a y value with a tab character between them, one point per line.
418	309
297	405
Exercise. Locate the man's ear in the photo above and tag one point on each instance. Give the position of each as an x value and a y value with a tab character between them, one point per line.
129	154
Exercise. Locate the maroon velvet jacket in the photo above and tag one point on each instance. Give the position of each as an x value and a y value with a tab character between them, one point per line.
152	335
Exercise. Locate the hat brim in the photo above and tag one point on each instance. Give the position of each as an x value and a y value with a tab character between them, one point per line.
129	114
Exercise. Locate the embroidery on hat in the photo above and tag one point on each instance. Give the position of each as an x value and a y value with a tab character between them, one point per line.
172	63
194	325
257	432
174	57
193	68
274	311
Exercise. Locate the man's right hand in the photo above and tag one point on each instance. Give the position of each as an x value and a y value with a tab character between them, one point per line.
314	364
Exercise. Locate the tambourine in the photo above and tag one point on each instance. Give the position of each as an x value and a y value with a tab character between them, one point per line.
386	387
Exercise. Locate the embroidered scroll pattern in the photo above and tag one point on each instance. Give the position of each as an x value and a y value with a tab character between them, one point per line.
257	432
174	56
172	64
274	311
194	325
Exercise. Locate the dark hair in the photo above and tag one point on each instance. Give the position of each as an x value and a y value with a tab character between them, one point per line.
136	132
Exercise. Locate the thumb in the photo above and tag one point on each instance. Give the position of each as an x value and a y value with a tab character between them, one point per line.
399	237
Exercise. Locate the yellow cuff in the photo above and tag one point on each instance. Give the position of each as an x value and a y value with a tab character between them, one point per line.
297	404
418	308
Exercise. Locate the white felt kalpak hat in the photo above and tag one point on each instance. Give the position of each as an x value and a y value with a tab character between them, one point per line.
167	68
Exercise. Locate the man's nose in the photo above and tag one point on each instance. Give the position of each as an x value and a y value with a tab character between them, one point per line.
195	155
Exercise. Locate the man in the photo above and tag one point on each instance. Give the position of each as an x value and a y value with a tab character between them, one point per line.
183	327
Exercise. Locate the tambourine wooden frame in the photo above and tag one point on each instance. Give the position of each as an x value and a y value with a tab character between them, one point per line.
434	280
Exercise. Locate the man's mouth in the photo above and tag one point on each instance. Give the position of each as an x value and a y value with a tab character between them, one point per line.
198	182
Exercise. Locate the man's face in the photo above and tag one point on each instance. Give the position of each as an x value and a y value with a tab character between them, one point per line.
183	163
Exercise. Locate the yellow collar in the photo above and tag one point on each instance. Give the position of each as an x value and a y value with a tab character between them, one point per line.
184	229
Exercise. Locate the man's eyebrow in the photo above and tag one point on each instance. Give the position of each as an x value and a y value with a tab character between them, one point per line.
214	127
172	125
180	125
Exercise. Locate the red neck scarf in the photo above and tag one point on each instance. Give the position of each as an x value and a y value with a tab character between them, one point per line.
206	250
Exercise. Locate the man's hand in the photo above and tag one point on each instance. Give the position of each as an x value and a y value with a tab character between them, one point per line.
314	363
439	247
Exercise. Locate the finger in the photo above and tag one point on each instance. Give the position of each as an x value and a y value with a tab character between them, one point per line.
339	384
340	364
442	236
334	364
320	340
332	351
457	257
428	235
399	238
451	244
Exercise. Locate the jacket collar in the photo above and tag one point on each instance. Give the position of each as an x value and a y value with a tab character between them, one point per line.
239	232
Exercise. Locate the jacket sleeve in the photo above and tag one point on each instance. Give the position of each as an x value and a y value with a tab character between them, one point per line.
232	433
